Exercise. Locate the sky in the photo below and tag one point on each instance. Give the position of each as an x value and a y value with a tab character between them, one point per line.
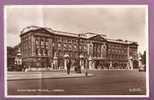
117	22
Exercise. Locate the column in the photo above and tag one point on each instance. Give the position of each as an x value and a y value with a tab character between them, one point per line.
101	50
130	63
33	45
90	63
39	52
128	52
55	61
65	64
110	66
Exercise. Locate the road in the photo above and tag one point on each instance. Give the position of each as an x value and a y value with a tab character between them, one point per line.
103	83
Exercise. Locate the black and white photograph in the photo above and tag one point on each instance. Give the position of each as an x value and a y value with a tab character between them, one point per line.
76	51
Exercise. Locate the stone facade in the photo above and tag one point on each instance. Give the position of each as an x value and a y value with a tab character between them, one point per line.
46	48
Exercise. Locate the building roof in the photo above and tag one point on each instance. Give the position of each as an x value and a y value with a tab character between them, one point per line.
33	28
62	33
121	41
29	28
83	35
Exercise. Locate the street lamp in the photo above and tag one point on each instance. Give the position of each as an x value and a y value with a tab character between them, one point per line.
86	67
81	61
78	67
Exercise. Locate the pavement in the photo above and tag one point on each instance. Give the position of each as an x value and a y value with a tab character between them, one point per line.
43	75
103	82
54	74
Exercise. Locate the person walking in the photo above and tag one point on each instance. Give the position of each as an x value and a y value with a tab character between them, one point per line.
68	66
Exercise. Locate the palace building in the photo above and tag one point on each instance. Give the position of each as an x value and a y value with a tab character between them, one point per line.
43	47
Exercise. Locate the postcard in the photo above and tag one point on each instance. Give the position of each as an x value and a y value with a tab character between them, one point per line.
76	51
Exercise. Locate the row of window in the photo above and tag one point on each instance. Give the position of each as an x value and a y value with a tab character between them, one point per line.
26	37
69	40
69	47
41	52
65	40
62	46
115	56
97	50
26	45
26	52
41	42
117	51
71	54
117	46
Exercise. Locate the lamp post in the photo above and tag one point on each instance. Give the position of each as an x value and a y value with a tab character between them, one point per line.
86	67
78	67
18	60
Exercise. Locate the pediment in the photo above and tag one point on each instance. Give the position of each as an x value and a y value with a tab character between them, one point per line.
98	38
42	32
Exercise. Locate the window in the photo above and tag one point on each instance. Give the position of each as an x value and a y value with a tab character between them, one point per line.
47	44
80	47
59	45
61	54
64	46
41	52
64	40
46	52
37	43
75	47
60	39
104	46
36	52
70	47
85	48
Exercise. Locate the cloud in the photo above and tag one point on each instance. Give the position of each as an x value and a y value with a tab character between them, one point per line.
115	22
